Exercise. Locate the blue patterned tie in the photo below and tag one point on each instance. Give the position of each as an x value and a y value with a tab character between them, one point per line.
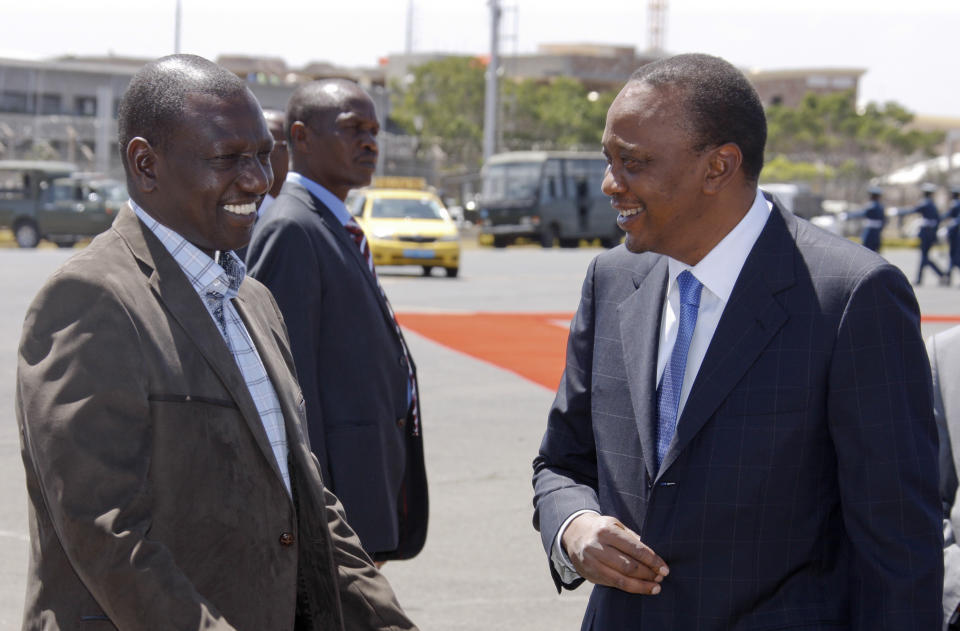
668	395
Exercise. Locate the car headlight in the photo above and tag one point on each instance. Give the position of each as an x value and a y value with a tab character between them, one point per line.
382	233
449	237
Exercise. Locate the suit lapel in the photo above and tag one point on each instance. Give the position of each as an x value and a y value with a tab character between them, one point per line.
750	320
176	294
640	343
347	243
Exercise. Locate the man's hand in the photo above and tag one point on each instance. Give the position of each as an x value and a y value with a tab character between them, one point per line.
605	552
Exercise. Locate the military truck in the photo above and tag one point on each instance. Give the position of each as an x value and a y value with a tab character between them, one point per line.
546	196
51	200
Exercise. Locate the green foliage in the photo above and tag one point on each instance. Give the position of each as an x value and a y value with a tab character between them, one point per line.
828	129
443	106
560	114
783	169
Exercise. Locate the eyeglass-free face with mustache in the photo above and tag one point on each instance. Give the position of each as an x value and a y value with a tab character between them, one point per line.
342	148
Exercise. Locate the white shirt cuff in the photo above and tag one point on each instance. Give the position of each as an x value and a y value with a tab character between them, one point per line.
561	562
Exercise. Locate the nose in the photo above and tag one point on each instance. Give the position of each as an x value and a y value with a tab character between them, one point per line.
369	141
255	176
612	184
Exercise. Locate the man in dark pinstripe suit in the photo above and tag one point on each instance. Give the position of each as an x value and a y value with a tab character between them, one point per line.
743	437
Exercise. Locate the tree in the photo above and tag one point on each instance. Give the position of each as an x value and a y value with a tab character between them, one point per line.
443	106
443	103
853	146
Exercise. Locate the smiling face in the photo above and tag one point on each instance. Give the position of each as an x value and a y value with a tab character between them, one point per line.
337	146
207	178
656	175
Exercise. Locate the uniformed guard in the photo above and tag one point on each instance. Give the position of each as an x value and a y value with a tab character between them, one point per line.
952	220
874	219
928	231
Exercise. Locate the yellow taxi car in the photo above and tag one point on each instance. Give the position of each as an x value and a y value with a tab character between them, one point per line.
406	224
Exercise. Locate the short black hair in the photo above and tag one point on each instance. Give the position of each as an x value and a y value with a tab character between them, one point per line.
311	101
153	102
719	103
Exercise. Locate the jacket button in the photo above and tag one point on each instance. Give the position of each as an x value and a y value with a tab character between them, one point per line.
286	539
401	422
400	360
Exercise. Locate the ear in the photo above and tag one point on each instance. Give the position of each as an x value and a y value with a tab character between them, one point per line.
723	165
142	164
298	136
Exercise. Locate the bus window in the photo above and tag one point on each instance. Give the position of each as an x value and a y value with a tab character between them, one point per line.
552	185
588	173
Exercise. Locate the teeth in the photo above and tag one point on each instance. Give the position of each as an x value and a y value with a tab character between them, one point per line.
241	209
629	212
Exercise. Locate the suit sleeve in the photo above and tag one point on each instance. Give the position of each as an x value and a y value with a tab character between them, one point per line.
880	417
282	257
367	599
86	432
565	470
948	490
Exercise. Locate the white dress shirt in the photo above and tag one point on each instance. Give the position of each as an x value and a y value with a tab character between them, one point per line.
717	272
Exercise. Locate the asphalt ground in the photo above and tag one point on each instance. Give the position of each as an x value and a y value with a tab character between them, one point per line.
483	567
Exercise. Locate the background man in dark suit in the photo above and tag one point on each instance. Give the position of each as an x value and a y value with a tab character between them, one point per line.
944	349
170	479
743	437
358	378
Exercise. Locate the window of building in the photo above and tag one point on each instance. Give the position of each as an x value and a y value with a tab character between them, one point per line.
11	101
85	105
51	104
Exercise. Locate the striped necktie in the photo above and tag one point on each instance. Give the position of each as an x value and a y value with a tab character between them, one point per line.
356	232
668	395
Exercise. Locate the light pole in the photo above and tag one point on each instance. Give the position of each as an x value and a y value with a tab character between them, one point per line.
492	97
176	30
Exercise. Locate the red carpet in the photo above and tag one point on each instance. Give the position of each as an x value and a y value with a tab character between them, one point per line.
532	345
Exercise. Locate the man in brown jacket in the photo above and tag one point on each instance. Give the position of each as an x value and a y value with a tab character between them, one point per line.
170	479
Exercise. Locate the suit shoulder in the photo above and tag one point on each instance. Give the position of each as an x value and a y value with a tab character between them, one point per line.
834	256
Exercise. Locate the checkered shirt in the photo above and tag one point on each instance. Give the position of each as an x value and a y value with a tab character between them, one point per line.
217	286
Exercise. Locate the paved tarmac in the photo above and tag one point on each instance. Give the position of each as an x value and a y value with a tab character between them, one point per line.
483	567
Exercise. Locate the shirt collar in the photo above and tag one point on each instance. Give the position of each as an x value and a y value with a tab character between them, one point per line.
331	201
719	269
204	273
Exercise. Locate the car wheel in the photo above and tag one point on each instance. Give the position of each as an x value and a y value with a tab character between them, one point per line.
452	272
499	242
26	234
427	269
548	236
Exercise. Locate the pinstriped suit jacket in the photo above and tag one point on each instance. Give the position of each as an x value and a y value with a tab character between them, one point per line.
801	488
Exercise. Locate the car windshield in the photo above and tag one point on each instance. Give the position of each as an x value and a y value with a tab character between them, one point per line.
110	191
519	180
397	208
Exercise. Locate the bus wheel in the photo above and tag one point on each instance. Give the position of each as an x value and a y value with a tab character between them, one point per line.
452	272
427	269
548	236
26	234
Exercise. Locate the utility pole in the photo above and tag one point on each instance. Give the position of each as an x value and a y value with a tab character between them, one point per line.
176	30
492	96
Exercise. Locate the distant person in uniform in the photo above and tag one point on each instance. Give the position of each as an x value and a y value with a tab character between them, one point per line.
928	232
952	219
873	219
